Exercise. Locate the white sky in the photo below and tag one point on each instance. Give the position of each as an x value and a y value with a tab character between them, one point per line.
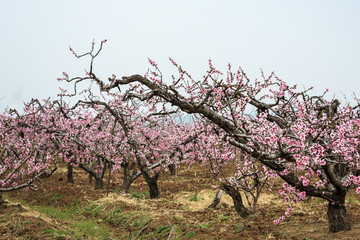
311	43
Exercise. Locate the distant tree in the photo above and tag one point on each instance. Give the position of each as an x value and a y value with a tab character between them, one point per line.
237	172
135	132
27	151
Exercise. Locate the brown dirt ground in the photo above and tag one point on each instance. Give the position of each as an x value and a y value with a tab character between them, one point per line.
188	219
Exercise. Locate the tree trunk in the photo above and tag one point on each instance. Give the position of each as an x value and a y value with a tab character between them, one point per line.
154	190
173	169
1	199
216	200
152	182
338	220
99	184
127	180
70	177
108	184
89	179
151	179
125	186
238	203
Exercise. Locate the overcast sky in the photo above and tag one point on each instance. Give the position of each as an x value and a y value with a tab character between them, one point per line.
309	42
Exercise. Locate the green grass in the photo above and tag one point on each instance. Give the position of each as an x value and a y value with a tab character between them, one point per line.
119	219
352	200
177	178
79	227
54	233
356	226
42	193
225	218
140	195
63	214
163	229
206	226
190	235
89	208
116	191
141	222
238	227
92	229
193	198
98	221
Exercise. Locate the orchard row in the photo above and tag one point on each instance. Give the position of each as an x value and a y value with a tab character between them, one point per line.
144	124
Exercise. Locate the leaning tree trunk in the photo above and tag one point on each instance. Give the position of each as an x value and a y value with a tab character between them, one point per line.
70	177
238	203
338	220
125	186
152	183
216	200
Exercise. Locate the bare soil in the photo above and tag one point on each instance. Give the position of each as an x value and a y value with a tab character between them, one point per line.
61	210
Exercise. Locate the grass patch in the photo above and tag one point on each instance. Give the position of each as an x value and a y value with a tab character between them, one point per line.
352	200
54	234
116	191
177	178
91	228
92	209
190	235
163	229
225	218
56	197
121	219
205	226
141	222
63	214
161	232
238	227
140	195
193	198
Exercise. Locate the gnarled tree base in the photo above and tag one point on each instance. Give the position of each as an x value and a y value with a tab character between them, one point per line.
238	203
338	220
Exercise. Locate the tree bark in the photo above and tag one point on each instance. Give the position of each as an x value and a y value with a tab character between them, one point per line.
89	179
338	220
216	200
1	199
173	169
152	183
108	184
99	184
130	174
127	180
70	177
238	203
125	186
154	190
